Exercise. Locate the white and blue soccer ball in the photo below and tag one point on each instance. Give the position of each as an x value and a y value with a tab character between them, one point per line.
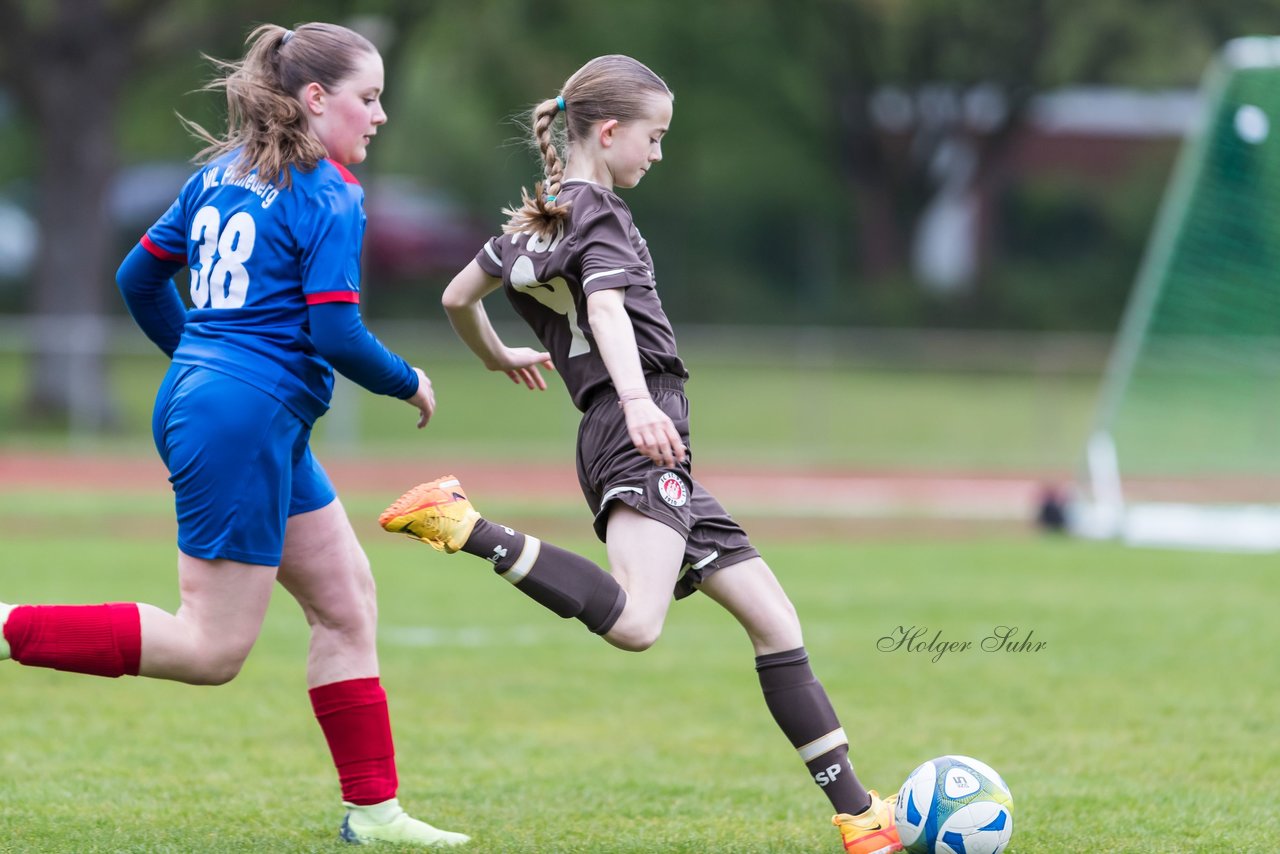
954	805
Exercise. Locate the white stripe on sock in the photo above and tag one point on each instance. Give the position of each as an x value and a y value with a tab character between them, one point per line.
524	563
819	746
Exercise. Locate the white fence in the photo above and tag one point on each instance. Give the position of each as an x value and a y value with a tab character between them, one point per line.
1054	381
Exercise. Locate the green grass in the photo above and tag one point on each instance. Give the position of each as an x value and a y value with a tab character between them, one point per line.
1147	723
841	417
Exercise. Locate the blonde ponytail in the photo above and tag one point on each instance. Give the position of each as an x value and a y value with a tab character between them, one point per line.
264	116
540	213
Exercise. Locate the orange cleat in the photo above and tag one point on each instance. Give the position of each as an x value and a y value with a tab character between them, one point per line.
436	513
871	831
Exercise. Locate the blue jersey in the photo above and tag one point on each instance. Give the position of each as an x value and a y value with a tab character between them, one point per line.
259	255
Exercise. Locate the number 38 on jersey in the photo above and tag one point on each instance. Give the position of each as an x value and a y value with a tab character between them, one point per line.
219	278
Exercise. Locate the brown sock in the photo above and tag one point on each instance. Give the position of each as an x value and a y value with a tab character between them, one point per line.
565	583
799	704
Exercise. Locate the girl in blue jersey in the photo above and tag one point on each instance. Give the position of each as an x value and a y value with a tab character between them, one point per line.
270	228
575	267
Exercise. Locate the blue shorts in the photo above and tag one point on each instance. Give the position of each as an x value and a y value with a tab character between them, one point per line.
239	462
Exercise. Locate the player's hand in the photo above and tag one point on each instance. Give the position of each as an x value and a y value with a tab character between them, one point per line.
522	363
653	432
424	399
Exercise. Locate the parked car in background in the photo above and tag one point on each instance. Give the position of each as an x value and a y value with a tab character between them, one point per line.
414	232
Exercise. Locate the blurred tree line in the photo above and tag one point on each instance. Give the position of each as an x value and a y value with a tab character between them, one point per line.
781	198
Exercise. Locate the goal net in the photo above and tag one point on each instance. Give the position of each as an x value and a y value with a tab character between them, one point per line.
1185	446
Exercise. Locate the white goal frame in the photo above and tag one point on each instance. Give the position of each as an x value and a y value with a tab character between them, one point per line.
1101	509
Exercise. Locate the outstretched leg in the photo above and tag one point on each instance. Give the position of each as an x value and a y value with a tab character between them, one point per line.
628	606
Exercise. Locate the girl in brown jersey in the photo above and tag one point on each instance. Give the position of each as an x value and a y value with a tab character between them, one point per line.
575	267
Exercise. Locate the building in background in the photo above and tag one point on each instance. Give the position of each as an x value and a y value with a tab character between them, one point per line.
973	145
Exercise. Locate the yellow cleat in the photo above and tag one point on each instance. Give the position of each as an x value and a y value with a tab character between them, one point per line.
387	822
871	831
437	513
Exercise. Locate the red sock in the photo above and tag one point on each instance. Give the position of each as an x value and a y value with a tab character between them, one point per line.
101	640
354	717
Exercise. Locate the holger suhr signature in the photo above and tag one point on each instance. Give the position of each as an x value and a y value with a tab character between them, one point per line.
919	640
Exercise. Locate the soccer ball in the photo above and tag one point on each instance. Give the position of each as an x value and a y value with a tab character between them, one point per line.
954	805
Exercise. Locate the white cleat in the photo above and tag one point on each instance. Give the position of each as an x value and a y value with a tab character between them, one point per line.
4	618
387	822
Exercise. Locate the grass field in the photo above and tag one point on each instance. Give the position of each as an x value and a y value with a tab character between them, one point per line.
768	408
1147	723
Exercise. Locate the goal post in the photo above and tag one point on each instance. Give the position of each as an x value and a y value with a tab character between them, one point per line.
1185	446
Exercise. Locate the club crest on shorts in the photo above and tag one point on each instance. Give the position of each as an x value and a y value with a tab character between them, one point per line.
673	490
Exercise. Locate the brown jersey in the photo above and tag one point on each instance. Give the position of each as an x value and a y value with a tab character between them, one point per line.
548	282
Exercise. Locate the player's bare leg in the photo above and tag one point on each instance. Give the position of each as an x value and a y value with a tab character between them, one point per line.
799	704
325	569
751	593
327	572
204	643
644	557
223	604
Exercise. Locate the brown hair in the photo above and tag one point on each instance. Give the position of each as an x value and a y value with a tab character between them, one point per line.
607	87
264	115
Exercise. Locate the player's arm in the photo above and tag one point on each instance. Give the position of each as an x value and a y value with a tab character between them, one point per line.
329	229
145	280
341	337
463	303
651	430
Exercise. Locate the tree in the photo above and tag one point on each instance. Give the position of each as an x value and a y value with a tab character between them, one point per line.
65	63
944	60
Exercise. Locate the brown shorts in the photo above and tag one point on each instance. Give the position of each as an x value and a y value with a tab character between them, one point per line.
611	469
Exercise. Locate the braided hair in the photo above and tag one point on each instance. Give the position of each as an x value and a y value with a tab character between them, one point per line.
607	87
